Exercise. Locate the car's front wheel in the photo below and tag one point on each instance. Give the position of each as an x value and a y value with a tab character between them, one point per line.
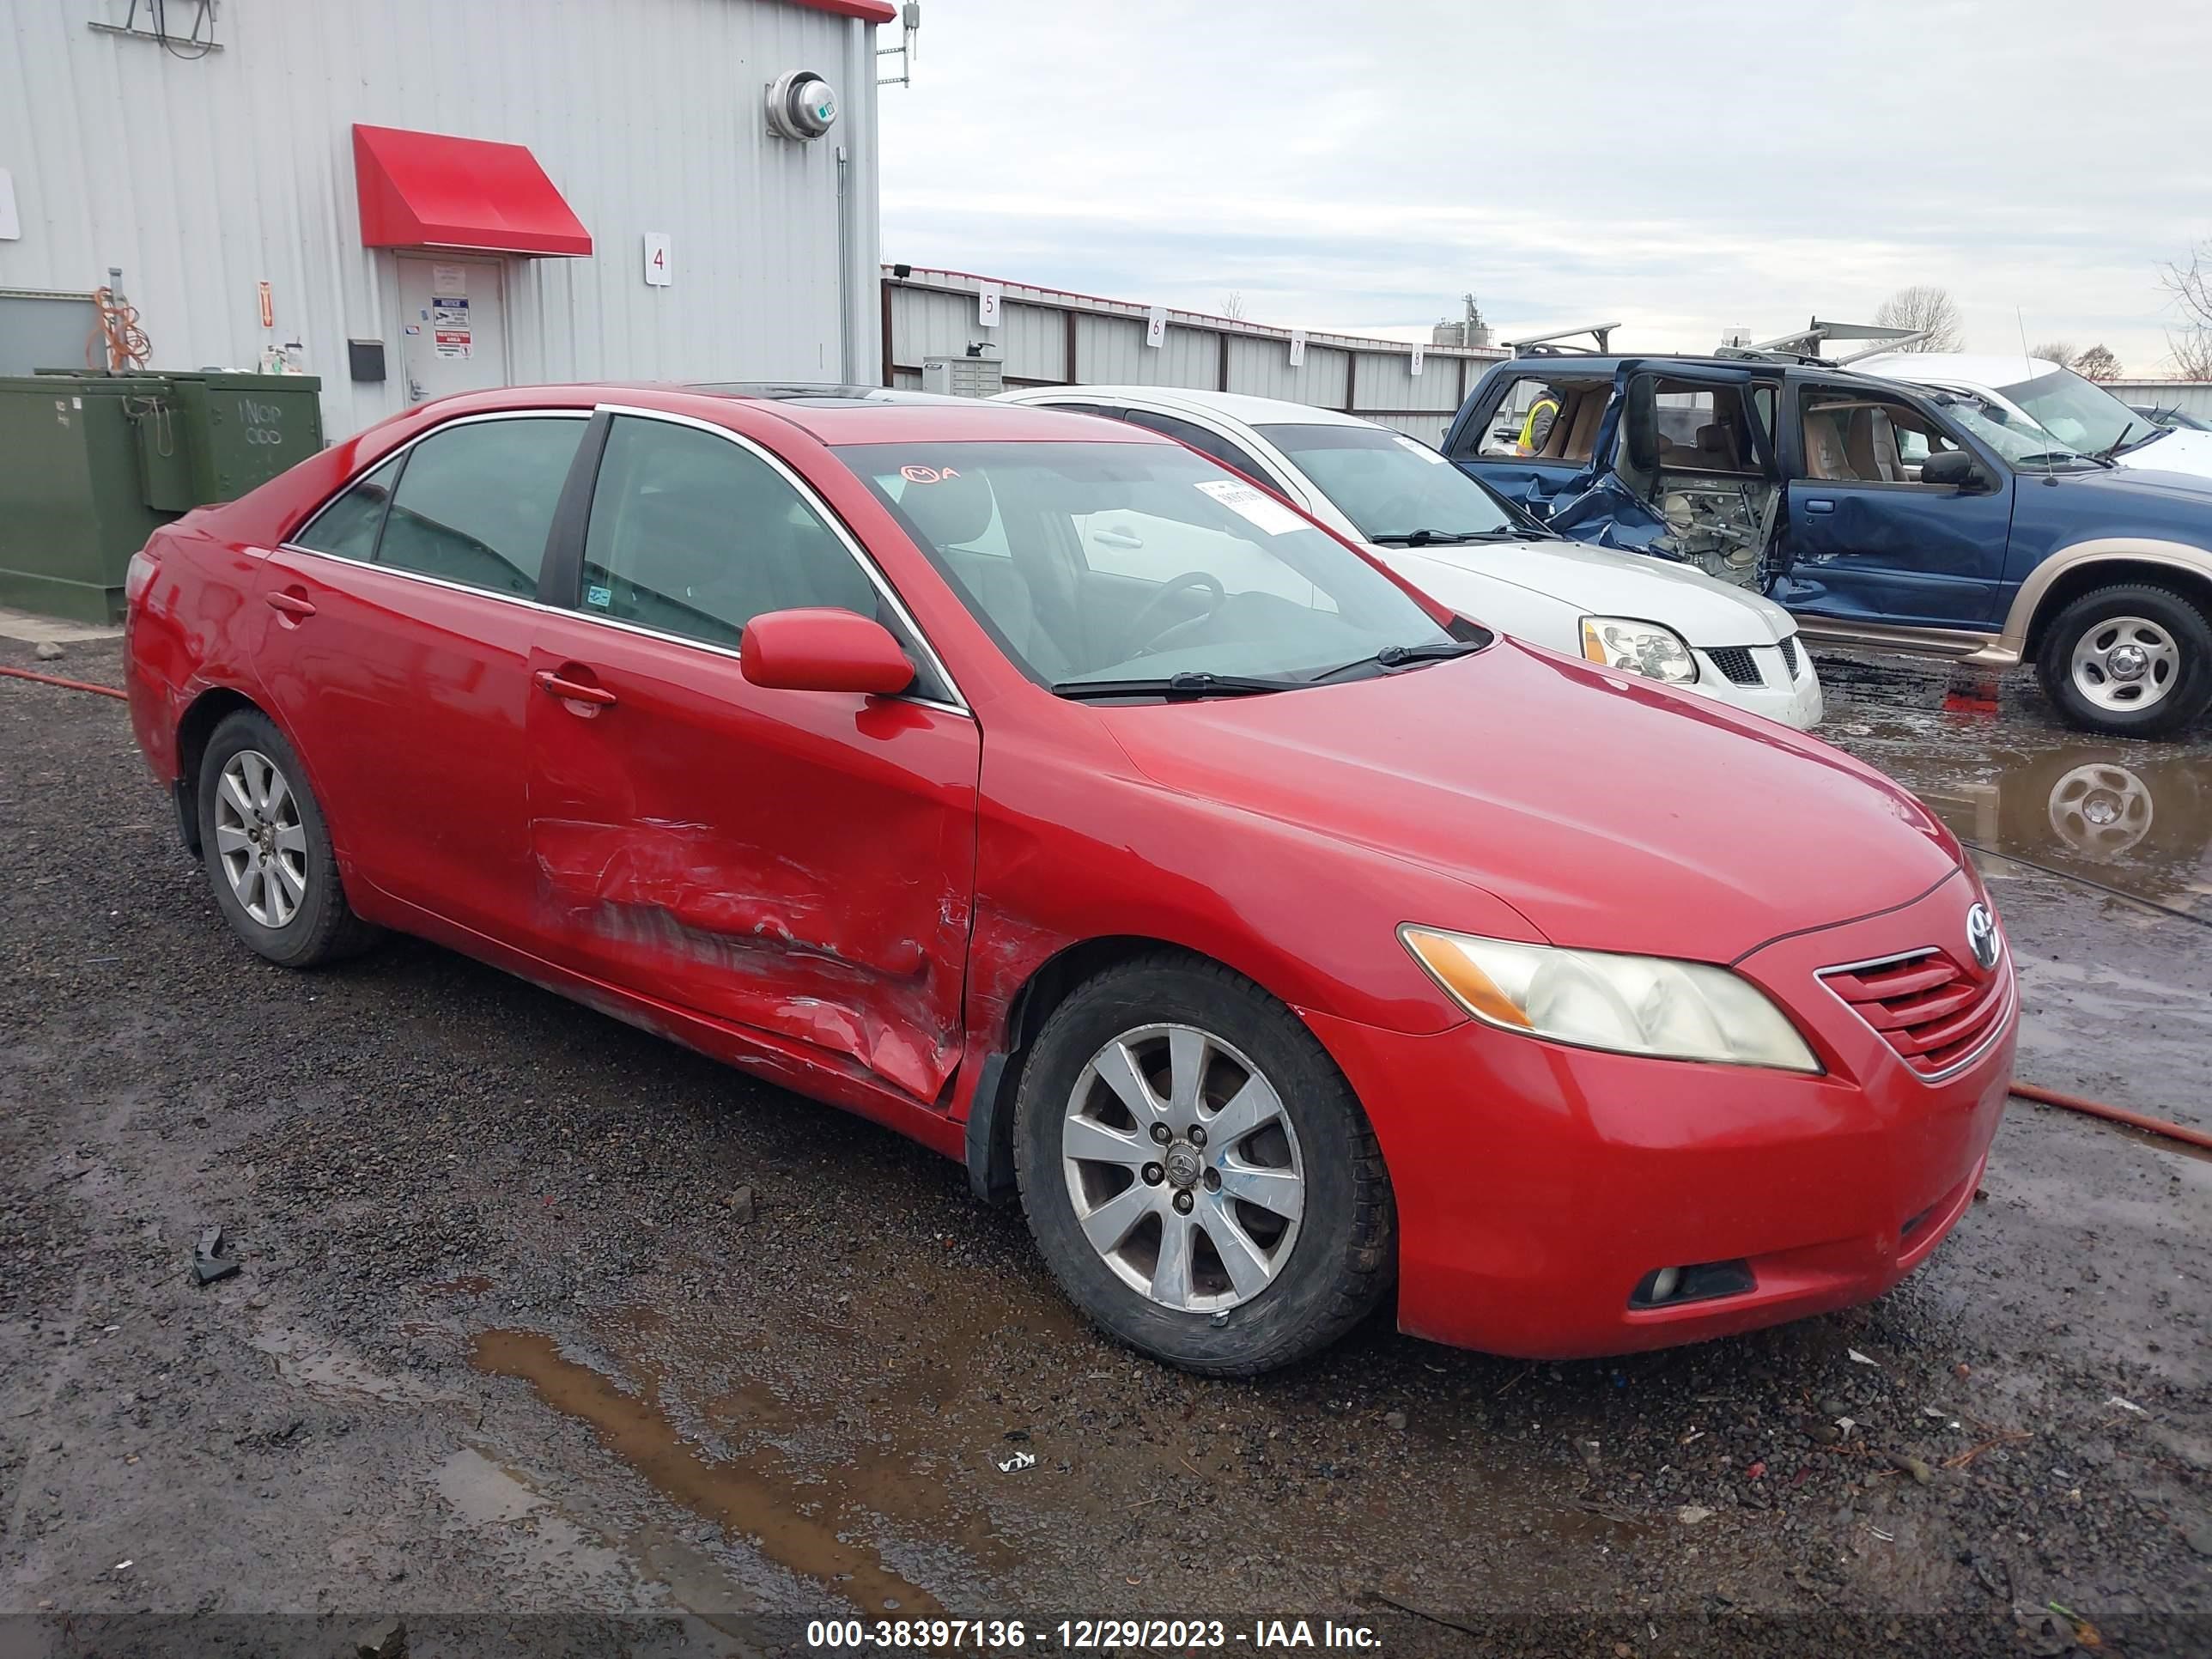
1197	1172
2130	659
267	849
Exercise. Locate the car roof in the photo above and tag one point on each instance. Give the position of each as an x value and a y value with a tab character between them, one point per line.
1973	368
1236	405
865	414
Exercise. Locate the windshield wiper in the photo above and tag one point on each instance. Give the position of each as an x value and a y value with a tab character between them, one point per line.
2054	457
2120	442
1397	656
1192	683
1444	538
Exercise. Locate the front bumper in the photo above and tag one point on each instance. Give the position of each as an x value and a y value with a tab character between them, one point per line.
1537	1184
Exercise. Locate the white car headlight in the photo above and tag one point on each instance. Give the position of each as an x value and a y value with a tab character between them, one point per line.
1641	648
1596	999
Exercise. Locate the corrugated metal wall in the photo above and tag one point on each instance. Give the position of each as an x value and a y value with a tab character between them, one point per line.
2191	397
203	178
932	313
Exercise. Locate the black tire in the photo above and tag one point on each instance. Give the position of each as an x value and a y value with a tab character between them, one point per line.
2188	692
323	927
1343	1257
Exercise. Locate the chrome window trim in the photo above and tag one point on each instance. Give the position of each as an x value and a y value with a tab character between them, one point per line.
823	510
397	450
836	525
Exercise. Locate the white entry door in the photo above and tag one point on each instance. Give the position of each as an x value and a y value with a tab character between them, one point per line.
453	317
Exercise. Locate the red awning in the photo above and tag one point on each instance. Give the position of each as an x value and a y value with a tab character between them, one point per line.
428	190
868	11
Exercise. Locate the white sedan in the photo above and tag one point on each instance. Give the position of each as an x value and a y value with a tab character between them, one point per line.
1450	538
2034	392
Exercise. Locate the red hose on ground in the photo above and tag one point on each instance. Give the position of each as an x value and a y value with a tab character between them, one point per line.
66	685
2157	1126
2026	1091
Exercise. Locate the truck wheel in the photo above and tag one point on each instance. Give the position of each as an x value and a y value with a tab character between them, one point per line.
1196	1171
2129	660
267	851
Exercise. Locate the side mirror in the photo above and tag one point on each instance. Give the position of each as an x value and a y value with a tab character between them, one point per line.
823	650
1954	468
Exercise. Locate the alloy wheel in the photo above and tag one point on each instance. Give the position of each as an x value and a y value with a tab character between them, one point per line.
1183	1168
2126	663
259	840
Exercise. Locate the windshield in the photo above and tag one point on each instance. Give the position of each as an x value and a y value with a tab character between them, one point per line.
1387	484
2079	413
1137	561
2019	440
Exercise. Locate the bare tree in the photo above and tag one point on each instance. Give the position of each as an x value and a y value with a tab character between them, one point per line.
2190	354
2189	286
2061	352
1233	307
2098	363
1929	308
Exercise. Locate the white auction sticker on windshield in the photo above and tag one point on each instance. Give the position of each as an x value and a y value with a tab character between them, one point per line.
1420	449
1256	506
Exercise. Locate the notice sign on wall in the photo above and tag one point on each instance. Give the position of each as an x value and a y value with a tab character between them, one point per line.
449	311
451	342
659	265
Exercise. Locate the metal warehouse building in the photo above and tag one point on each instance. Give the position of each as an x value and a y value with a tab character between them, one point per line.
411	198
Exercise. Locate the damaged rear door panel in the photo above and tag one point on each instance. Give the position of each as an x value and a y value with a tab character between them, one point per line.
795	863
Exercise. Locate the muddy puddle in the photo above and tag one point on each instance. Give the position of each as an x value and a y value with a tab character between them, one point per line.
762	1504
2130	816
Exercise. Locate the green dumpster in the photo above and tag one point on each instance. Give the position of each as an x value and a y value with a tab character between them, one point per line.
92	463
241	430
73	493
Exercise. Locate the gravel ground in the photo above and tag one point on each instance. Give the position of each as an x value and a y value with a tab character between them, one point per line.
551	1337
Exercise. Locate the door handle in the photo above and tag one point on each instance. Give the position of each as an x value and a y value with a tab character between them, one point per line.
596	696
1128	540
294	605
1820	507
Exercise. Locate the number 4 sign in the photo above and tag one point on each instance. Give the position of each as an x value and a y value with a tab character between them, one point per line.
660	268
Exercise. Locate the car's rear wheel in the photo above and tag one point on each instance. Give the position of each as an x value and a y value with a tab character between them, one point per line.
2129	660
267	850
1197	1172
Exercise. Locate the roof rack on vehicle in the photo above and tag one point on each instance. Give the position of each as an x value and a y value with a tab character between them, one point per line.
1803	346
1551	345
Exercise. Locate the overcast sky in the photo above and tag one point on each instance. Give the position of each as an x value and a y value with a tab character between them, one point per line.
1679	165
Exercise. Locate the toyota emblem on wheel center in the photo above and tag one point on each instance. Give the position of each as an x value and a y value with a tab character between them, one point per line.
1981	936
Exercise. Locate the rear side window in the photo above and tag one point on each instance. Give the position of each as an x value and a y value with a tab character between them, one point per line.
474	502
693	535
348	527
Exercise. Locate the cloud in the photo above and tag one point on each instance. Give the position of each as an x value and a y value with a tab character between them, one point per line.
1681	168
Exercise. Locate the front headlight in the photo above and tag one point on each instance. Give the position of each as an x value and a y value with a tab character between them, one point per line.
1641	648
1630	1005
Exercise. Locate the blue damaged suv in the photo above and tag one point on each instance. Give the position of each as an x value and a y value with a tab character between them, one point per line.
1880	514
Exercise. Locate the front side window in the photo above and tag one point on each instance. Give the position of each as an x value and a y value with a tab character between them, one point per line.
1205	442
1850	438
474	502
1226	581
349	526
693	535
1391	487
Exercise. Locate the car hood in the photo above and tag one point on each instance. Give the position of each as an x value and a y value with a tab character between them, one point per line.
1612	813
2178	450
1594	582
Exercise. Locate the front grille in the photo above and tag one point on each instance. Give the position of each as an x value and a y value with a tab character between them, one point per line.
1936	1013
1736	662
1789	653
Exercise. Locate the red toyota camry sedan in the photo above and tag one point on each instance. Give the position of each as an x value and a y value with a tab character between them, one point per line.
1034	786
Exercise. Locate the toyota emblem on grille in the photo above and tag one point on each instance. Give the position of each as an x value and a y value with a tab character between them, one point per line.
1981	936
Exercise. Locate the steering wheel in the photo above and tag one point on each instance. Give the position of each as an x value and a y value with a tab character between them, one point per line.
1141	630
